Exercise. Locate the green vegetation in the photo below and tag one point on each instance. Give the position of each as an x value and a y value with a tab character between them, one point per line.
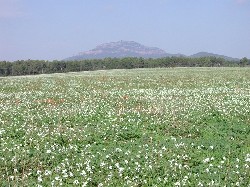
32	67
141	127
244	61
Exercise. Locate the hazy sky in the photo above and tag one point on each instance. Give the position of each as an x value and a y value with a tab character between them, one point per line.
56	29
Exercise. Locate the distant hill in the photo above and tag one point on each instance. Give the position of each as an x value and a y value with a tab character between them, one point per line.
205	54
123	49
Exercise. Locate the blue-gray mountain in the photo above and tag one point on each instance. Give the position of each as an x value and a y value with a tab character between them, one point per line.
205	54
123	49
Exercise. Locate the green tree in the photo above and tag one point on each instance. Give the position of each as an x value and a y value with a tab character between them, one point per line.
243	61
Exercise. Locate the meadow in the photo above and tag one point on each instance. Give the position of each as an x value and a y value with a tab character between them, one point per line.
141	127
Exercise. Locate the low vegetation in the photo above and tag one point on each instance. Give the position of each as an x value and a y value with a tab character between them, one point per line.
141	127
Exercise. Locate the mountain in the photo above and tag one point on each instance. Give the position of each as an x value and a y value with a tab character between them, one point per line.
205	54
122	49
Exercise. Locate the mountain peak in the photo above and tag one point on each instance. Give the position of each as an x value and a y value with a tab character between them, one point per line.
119	43
121	49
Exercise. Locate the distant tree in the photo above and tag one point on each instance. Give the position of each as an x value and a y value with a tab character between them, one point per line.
29	67
243	61
57	66
5	68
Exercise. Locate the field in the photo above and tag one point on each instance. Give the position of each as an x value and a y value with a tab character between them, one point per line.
141	127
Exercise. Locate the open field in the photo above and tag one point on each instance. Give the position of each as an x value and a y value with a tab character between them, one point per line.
141	127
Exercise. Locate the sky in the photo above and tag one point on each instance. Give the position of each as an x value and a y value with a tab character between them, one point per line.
57	29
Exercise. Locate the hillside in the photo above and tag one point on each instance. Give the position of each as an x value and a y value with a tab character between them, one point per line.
122	49
205	54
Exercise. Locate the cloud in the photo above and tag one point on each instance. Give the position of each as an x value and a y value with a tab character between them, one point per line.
10	9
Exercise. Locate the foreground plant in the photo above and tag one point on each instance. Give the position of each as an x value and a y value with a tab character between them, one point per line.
147	127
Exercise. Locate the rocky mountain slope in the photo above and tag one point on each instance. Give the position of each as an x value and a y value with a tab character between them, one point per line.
123	49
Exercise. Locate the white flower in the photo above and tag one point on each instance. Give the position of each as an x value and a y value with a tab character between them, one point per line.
64	171
84	184
121	170
200	184
102	164
38	172
40	178
177	183
47	172
83	173
100	185
76	182
206	160
48	151
117	165
118	150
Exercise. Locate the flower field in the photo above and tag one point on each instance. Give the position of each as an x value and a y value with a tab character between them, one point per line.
140	127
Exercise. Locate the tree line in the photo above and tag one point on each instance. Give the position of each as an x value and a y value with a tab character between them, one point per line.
32	67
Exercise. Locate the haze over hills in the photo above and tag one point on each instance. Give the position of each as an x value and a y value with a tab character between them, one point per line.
123	49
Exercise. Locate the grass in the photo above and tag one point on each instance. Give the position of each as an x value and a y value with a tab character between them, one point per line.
141	127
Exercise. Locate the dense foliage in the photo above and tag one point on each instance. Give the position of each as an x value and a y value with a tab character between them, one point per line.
144	127
31	67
